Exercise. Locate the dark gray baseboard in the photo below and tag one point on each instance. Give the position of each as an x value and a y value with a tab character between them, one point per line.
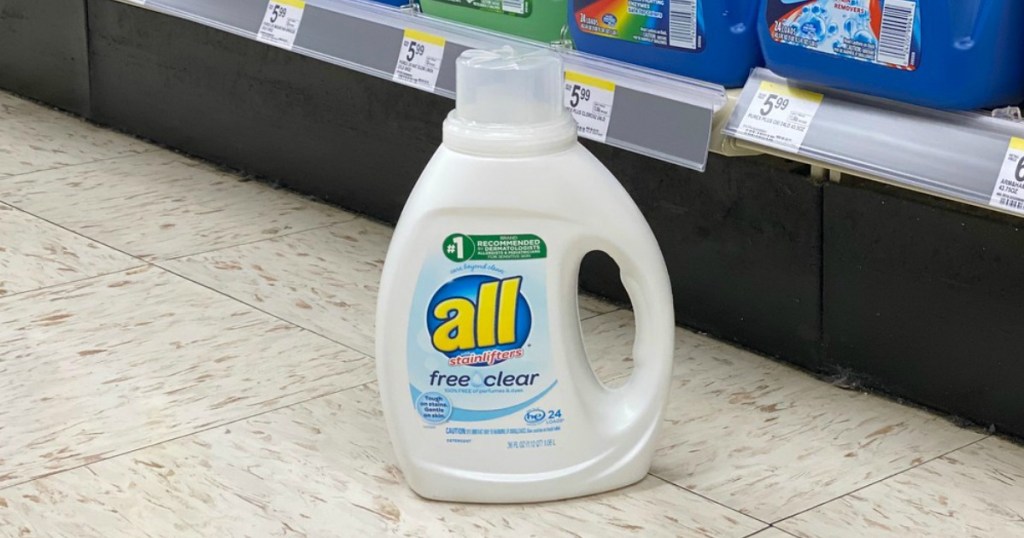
44	52
925	299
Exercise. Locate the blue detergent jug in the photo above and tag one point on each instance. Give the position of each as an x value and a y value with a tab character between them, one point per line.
955	54
712	40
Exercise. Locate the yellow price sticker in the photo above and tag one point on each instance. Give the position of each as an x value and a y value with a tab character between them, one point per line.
786	90
423	37
580	78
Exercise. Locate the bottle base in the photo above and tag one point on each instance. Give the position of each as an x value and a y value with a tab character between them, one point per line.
506	489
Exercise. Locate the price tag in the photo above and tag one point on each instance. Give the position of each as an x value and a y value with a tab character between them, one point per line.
1009	190
779	116
281	23
419	59
590	100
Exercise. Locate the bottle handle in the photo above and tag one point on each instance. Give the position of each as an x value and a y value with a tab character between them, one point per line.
654	343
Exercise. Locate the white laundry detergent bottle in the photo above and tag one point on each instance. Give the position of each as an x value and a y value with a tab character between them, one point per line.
486	388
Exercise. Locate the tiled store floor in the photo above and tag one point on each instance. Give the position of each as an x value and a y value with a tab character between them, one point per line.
183	353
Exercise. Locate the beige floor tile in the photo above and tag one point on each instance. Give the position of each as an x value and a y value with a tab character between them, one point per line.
325	468
977	491
66	506
161	205
324	280
33	137
766	439
609	339
591	306
107	365
35	254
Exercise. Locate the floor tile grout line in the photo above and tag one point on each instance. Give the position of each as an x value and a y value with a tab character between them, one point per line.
142	261
599	314
151	262
709	499
154	263
178	257
880	480
254	241
75	165
80	234
69	282
258	309
783	531
187	435
215	168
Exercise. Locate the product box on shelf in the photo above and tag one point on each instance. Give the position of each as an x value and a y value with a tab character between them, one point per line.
954	54
540	20
711	40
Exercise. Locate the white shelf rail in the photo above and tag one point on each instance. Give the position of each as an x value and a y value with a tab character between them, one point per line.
655	114
954	155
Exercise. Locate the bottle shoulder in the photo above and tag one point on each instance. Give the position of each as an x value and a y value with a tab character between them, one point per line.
568	185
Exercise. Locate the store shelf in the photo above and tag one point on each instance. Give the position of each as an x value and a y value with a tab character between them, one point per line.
954	155
655	114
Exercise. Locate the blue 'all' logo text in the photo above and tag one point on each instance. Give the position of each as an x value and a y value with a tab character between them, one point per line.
479	320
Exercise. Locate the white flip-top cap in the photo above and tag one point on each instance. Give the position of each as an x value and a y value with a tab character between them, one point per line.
509	103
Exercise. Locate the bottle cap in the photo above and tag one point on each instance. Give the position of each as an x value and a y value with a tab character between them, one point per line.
505	97
504	87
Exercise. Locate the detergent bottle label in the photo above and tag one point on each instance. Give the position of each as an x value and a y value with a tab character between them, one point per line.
672	24
520	8
479	354
883	32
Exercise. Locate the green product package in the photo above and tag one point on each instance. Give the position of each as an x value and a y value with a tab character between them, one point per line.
540	20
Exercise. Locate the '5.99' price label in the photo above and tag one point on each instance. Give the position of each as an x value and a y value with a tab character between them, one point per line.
281	23
1008	193
590	100
419	60
779	116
